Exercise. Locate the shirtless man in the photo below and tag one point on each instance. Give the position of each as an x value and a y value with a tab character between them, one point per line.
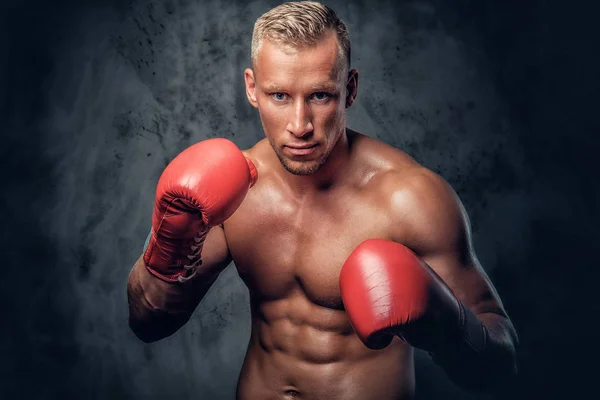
352	252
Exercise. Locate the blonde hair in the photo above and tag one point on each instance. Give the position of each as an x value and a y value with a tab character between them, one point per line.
300	24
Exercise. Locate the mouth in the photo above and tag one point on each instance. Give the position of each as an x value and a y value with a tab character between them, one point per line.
301	149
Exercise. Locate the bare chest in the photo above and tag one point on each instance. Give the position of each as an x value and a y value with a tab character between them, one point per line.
281	246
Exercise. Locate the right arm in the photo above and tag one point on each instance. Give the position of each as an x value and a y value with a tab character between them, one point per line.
157	309
186	249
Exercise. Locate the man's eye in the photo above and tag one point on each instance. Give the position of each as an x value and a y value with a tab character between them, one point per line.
278	96
321	96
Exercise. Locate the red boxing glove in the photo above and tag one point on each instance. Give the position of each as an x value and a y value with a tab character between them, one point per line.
202	187
387	290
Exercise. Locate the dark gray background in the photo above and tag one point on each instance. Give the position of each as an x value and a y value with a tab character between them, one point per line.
499	97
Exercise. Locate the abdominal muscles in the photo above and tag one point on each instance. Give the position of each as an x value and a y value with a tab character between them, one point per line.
301	350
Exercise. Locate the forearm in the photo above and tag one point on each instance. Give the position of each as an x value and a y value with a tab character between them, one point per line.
157	309
490	367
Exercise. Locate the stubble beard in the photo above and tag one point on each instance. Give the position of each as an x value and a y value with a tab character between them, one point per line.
301	168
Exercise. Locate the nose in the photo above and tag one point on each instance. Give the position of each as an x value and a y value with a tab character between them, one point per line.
300	123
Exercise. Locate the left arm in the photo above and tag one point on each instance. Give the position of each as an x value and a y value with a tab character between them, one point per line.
440	234
430	286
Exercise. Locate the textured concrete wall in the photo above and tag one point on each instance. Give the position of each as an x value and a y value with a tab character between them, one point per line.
97	97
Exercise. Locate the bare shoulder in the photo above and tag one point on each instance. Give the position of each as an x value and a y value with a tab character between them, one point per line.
418	188
423	209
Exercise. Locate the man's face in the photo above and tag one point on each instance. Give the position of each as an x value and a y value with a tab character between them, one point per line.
301	96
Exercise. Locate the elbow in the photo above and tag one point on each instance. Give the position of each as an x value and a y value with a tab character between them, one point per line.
154	328
142	332
147	322
507	366
497	371
509	369
144	321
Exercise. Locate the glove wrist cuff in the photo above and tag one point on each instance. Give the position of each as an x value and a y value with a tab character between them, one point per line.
182	275
171	267
474	333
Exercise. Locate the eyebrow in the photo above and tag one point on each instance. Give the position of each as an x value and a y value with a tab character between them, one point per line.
325	87
273	88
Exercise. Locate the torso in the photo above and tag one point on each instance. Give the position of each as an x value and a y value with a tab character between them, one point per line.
289	249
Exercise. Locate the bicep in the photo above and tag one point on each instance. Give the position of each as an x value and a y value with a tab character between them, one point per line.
215	253
437	228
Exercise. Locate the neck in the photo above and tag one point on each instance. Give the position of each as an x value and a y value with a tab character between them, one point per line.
331	172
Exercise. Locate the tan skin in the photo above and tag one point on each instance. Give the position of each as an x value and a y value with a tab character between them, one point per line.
293	232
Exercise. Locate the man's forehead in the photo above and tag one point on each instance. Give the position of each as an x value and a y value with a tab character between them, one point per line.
324	50
320	67
309	77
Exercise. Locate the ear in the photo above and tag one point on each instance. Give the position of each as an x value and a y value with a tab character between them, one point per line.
250	87
351	87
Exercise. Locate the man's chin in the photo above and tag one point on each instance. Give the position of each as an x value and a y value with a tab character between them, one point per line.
300	168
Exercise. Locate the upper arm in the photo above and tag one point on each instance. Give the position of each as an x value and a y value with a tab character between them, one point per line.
429	218
215	253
